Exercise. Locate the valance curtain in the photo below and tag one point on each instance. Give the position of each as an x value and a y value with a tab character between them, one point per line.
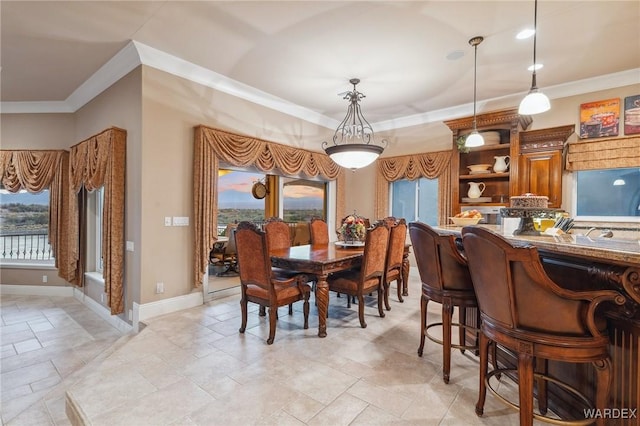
35	171
212	146
430	165
96	162
603	153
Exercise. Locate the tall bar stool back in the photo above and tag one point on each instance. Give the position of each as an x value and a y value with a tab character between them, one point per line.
445	280
523	310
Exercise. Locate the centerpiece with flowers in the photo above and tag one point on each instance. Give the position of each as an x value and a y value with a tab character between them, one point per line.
352	229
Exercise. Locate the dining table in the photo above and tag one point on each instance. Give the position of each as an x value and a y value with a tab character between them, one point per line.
321	260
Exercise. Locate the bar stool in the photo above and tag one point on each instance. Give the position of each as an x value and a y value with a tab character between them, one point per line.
445	280
523	310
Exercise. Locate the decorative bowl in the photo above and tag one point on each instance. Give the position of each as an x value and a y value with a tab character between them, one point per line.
465	221
479	167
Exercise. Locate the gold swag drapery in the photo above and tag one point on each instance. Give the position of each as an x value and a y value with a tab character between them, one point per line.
212	146
430	165
95	162
35	171
603	154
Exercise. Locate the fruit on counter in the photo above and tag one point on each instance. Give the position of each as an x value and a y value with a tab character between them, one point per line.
471	214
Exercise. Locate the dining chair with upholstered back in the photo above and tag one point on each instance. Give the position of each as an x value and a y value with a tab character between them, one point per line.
395	257
301	234
319	231
446	280
369	277
523	310
278	233
258	283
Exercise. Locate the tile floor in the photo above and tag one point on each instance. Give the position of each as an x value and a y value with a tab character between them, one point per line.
193	368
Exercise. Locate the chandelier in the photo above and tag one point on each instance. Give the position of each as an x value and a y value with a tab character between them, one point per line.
353	142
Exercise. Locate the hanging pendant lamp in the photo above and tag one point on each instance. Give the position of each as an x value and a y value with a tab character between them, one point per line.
535	102
474	138
354	146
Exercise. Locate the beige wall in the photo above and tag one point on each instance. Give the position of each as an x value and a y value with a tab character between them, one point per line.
159	112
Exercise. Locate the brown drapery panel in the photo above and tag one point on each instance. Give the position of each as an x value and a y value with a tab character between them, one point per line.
212	146
35	171
430	165
95	162
603	153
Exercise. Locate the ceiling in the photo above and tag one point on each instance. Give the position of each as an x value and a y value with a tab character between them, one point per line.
297	56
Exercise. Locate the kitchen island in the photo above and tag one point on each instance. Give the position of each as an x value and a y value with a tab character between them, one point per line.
581	263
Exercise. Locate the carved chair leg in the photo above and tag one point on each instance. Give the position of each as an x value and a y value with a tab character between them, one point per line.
290	308
423	322
348	301
305	310
542	368
363	324
482	390
386	295
273	313
525	386
603	383
262	311
243	310
462	319
380	297
447	312
400	285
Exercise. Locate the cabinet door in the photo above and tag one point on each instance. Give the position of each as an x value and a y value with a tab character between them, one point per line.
541	174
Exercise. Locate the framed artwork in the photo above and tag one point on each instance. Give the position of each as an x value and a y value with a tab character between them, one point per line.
600	118
632	115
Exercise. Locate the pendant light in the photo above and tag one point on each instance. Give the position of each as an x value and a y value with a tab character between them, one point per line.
474	138
353	143
535	102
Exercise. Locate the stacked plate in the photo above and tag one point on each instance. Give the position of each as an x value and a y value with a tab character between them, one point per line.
491	138
477	169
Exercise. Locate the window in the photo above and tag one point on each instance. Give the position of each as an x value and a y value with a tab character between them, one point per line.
24	226
95	203
613	194
303	199
235	201
415	200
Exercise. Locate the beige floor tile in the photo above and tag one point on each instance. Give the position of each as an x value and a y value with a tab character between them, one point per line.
341	411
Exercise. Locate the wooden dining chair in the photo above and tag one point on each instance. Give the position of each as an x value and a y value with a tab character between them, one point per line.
278	238
395	255
258	283
369	277
319	231
523	310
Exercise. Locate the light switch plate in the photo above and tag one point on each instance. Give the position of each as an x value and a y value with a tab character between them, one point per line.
167	221
180	221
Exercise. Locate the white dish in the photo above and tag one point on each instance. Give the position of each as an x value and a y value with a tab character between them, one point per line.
353	244
479	167
476	200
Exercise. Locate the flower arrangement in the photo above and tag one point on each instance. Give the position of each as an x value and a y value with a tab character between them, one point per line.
352	229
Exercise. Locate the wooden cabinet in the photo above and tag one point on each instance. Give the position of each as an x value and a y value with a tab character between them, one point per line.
540	162
498	186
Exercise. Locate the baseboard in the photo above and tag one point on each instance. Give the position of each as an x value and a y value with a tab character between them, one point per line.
102	311
153	309
37	290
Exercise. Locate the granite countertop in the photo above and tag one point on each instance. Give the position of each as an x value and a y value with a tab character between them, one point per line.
625	251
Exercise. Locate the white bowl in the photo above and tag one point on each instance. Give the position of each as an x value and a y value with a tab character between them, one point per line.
465	221
479	167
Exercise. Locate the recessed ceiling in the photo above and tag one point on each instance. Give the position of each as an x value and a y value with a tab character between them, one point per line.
305	52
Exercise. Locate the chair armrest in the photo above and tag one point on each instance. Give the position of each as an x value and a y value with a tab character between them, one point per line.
600	297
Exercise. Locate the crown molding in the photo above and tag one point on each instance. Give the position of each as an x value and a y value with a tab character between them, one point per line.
135	54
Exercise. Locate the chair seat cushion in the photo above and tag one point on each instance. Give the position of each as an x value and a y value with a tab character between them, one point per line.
347	282
283	291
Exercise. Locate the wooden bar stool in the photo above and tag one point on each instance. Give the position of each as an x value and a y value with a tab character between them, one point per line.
523	310
445	280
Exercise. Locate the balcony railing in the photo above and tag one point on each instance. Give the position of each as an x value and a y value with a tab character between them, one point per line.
25	247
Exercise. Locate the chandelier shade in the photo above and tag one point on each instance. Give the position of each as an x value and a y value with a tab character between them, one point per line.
353	145
474	138
535	102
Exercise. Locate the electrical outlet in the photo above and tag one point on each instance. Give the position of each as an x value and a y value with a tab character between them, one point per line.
45	278
102	298
130	314
159	288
